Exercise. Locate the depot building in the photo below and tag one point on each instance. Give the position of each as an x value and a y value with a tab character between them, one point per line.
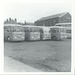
62	19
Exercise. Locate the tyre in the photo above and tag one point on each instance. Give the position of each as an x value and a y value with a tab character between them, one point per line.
8	38
54	38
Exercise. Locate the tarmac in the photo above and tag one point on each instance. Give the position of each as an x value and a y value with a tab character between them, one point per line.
12	65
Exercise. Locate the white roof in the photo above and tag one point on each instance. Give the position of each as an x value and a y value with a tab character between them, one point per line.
12	25
57	27
28	26
62	23
43	26
68	28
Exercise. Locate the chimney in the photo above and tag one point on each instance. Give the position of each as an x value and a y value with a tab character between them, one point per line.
25	22
9	19
15	20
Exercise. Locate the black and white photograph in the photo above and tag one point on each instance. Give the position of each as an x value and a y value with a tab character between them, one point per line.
37	36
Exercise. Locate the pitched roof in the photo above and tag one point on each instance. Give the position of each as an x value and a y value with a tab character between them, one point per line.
52	16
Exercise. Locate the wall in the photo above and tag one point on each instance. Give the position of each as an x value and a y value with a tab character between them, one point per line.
65	19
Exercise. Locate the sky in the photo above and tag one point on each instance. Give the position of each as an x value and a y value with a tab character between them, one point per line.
30	11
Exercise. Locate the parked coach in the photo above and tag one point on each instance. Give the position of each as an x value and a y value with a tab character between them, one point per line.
58	33
32	33
45	33
14	32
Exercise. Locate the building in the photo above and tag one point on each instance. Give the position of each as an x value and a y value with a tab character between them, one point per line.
10	21
62	19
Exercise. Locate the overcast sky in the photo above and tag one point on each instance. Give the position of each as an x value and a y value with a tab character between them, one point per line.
34	10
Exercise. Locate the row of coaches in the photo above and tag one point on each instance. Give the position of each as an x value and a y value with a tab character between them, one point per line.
30	33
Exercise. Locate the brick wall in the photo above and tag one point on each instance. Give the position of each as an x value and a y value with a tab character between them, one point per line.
65	19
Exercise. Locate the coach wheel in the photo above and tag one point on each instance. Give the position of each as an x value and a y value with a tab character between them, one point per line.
54	38
8	38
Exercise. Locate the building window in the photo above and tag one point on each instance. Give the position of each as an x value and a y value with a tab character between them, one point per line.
54	21
68	31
